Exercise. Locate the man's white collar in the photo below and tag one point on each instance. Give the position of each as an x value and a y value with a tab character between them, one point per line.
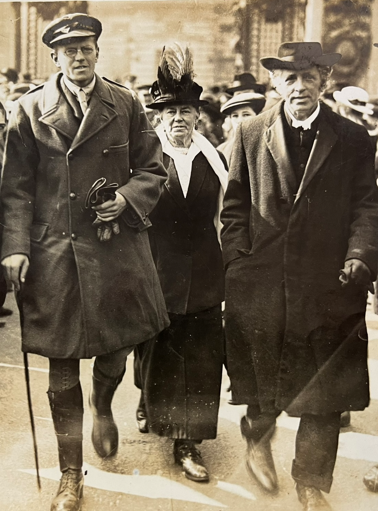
306	124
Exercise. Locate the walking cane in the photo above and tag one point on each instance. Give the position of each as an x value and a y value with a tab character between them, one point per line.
27	380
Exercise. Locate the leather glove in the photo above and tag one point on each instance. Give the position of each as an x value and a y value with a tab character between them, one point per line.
356	272
99	193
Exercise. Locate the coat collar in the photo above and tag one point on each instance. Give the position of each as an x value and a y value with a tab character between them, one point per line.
57	113
275	139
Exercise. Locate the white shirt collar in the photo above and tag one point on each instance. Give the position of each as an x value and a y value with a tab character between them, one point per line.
88	89
306	124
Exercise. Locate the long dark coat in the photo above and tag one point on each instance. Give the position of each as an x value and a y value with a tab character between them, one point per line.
296	339
182	368
81	297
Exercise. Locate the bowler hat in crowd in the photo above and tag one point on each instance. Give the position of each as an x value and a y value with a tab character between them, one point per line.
355	98
175	84
252	99
69	26
300	56
245	82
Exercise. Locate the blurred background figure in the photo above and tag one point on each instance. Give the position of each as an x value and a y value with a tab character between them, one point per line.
211	119
8	77
247	101
16	91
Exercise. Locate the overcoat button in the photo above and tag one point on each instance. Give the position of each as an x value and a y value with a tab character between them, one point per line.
72	196
73	236
105	152
70	156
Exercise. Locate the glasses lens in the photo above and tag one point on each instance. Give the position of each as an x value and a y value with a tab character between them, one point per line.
86	50
71	52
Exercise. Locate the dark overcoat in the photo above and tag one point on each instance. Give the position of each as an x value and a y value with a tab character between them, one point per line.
182	368
295	338
82	297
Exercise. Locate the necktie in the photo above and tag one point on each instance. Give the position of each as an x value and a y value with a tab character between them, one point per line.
82	97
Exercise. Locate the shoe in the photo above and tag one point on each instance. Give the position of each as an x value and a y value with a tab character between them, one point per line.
311	498
141	416
259	461
105	431
345	420
70	491
191	461
5	312
371	479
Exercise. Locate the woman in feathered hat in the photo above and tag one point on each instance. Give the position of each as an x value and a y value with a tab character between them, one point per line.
182	371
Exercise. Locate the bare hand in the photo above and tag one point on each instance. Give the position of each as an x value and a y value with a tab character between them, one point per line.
111	209
16	267
357	272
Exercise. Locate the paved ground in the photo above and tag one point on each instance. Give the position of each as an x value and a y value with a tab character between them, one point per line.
143	476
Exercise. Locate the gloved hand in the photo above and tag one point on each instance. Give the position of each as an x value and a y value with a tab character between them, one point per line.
356	272
108	204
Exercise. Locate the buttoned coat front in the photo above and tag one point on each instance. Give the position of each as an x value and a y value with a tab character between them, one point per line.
82	297
296	339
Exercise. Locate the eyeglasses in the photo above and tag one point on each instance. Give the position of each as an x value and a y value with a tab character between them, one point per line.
72	52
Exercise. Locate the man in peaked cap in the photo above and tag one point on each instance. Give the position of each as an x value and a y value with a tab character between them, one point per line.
300	248
77	250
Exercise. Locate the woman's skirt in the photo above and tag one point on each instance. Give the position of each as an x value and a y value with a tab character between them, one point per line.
181	374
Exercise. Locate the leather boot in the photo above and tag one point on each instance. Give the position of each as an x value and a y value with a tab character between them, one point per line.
105	431
190	459
311	498
141	415
371	479
67	414
259	459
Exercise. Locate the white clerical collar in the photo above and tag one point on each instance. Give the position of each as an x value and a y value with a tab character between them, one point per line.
306	124
88	89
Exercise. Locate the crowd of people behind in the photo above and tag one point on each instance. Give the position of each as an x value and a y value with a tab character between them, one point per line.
260	197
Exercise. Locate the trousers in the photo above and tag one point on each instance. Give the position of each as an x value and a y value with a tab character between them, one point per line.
315	446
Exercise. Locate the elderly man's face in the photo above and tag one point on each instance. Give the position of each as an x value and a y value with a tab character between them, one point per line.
77	60
300	90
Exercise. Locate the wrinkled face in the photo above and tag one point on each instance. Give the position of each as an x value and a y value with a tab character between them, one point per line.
300	90
240	114
179	122
77	60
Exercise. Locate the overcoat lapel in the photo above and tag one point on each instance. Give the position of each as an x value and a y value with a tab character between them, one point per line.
99	114
174	188
324	142
58	114
275	140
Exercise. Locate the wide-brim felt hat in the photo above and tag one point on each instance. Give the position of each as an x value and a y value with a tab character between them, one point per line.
300	56
254	100
355	98
245	82
69	26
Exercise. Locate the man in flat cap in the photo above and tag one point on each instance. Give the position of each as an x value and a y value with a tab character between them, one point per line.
81	262
300	247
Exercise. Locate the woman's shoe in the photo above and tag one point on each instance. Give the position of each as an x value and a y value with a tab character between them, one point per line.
141	416
191	461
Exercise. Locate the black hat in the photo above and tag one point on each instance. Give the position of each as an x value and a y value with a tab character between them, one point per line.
246	82
300	56
71	25
175	85
10	73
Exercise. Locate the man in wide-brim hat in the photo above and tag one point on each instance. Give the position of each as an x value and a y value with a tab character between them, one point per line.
300	248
